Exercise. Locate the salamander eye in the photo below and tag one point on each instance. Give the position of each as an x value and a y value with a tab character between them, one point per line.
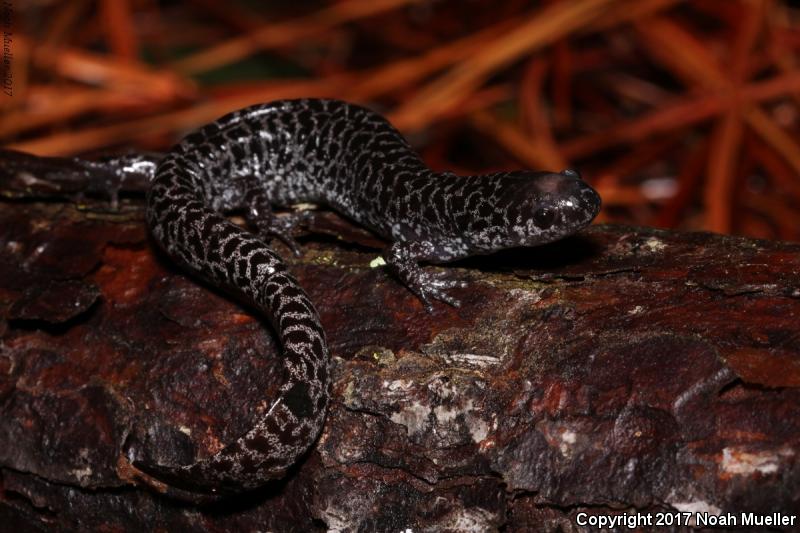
544	217
571	172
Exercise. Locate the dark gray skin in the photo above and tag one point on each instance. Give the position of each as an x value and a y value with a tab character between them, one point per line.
352	160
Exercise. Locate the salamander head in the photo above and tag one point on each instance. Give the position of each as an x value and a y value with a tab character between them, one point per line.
536	208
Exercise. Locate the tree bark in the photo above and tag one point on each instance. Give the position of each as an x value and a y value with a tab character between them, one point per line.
624	370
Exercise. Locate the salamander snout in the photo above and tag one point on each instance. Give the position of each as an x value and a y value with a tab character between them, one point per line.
549	206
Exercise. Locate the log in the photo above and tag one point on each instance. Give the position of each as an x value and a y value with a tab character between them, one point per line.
624	372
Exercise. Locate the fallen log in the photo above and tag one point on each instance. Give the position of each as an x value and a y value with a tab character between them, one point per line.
628	372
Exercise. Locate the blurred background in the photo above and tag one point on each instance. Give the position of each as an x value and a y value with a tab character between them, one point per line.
682	114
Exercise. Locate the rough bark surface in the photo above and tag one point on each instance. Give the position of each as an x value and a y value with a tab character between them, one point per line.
625	369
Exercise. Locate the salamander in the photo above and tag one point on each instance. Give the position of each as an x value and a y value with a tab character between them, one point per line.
354	161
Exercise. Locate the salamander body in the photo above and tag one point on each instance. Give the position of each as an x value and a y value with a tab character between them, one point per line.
352	160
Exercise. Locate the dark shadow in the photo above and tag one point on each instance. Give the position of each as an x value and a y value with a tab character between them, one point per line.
548	257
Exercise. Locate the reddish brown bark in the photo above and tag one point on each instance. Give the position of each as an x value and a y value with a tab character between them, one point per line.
622	369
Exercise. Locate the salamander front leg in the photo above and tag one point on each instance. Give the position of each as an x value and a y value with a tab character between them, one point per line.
403	258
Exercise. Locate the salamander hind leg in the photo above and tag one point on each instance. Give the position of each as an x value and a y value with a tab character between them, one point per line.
403	258
260	216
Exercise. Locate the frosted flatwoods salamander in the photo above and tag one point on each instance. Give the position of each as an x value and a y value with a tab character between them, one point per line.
351	159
